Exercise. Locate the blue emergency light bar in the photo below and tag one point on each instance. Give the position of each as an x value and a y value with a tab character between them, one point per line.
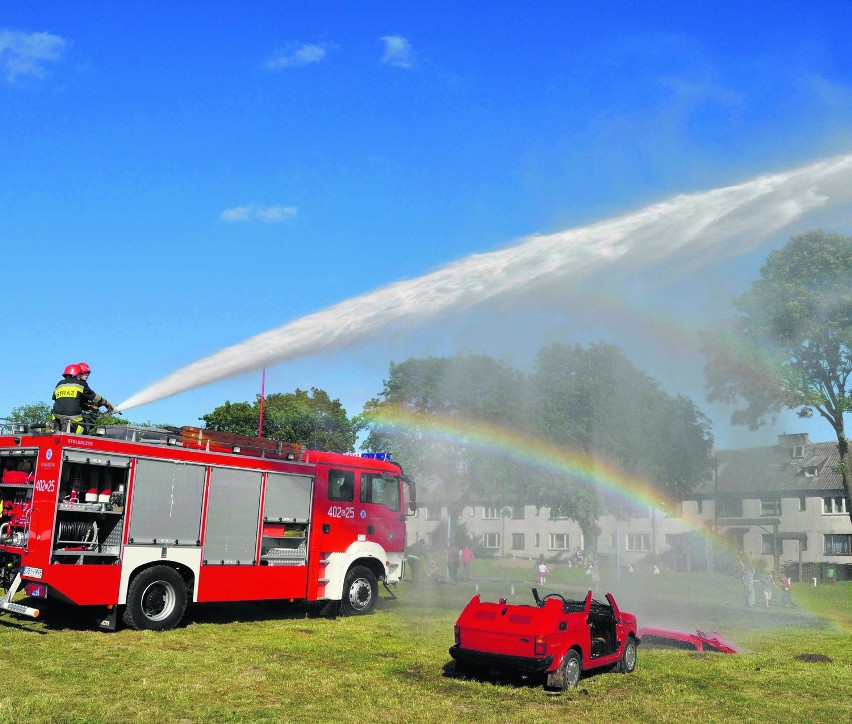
386	456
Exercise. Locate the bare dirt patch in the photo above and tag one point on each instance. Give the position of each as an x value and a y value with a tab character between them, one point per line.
813	658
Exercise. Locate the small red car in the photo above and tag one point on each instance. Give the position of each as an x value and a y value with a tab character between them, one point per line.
556	637
690	640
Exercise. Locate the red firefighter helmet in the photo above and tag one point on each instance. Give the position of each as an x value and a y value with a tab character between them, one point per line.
84	368
71	371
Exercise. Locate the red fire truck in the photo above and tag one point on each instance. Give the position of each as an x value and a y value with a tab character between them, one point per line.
141	522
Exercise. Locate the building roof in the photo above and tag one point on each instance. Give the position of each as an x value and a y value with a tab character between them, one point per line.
794	466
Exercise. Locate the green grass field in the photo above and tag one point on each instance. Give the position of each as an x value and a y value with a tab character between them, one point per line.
270	662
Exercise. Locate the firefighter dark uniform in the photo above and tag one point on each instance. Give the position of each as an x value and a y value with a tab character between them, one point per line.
71	396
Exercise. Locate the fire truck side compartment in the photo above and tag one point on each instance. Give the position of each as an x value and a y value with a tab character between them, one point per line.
167	499
233	512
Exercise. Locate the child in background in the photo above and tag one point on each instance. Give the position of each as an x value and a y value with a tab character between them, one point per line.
542	573
768	585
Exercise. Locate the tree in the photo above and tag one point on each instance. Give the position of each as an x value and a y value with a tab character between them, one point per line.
311	419
789	344
43	412
435	413
595	402
34	412
430	414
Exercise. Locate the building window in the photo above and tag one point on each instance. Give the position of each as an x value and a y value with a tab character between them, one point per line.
769	545
770	507
433	512
490	513
492	540
838	545
834	506
638	542
676	510
730	507
699	506
557	513
537	540
802	505
517	541
517	512
558	542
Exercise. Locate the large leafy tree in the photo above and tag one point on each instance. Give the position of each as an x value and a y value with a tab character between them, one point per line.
431	414
593	401
789	344
434	414
312	419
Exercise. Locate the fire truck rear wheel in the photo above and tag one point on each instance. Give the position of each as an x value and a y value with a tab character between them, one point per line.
360	592
156	600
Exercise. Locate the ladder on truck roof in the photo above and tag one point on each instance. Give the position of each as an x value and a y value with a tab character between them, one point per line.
232	442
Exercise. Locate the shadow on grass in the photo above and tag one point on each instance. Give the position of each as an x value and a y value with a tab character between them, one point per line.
59	616
514	680
10	623
493	676
255	611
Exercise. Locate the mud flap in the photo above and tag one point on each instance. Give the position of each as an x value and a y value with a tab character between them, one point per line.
109	621
556	680
324	609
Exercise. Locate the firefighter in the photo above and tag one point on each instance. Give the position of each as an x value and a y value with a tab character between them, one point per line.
72	396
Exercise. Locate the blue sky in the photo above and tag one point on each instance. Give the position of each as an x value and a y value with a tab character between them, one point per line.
177	177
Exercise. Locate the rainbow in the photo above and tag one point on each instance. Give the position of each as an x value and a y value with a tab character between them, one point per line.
537	453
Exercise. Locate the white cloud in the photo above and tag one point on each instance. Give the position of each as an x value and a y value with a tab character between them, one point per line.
397	51
255	212
27	53
294	57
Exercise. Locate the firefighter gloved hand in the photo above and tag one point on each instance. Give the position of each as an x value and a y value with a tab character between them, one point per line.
109	406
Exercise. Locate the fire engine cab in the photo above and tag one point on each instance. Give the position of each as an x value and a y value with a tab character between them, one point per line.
140	522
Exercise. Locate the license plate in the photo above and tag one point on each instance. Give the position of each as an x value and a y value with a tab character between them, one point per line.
32	572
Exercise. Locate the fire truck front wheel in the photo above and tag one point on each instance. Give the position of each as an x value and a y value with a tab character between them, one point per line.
156	600
360	591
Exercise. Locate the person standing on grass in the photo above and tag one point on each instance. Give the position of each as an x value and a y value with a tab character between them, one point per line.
748	585
542	572
768	585
453	560
787	586
596	575
466	558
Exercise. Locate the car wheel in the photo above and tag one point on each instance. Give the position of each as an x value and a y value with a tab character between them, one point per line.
156	600
360	592
566	676
627	665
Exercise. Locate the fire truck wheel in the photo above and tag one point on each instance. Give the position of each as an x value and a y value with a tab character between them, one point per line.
360	591
156	600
